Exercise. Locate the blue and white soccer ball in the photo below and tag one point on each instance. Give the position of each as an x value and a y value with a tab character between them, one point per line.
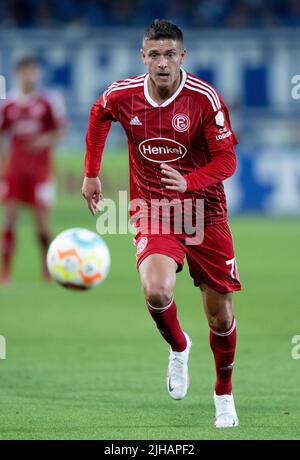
78	259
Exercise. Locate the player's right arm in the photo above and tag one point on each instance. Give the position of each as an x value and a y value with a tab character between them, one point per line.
2	155
92	192
101	116
4	127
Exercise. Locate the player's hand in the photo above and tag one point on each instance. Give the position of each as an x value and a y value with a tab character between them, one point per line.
40	142
44	141
173	179
91	191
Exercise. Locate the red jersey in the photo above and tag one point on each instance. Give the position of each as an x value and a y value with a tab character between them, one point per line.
190	131
24	117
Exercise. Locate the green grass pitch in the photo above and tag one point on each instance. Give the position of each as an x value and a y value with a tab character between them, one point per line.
91	365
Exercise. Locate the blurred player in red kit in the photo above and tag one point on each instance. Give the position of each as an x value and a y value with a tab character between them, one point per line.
34	121
181	146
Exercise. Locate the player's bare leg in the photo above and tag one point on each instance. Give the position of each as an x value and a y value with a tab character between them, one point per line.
220	316
8	239
158	277
41	220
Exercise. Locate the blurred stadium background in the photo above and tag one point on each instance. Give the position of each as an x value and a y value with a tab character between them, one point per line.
250	51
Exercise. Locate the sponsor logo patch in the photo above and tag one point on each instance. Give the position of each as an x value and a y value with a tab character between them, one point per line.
223	136
162	150
141	245
220	118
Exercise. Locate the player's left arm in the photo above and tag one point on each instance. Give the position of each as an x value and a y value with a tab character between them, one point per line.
99	124
220	140
4	127
173	180
48	140
3	155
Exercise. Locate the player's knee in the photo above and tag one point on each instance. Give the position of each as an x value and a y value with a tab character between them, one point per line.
224	324
159	299
220	322
158	294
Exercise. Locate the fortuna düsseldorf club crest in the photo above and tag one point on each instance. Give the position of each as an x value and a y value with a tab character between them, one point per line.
181	122
141	245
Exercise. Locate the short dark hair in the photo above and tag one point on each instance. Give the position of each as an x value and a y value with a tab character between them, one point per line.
27	61
161	28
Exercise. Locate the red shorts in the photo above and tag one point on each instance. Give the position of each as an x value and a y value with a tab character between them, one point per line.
212	262
29	189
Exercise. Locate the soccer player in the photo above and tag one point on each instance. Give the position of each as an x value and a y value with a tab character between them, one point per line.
34	121
181	146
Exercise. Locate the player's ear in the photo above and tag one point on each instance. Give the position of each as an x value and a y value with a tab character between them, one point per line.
143	56
182	55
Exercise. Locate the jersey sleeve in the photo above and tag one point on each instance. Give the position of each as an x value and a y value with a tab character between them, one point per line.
222	166
58	113
104	108
4	120
100	119
217	127
220	140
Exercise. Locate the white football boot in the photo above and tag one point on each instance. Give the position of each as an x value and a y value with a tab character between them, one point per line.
177	373
226	416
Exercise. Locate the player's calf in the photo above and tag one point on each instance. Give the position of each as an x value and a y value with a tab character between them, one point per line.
168	325
44	239
7	251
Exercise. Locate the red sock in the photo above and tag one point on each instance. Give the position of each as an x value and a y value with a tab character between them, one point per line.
44	239
223	345
8	245
168	325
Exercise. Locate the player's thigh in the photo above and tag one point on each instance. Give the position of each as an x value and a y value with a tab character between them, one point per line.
11	196
40	192
158	277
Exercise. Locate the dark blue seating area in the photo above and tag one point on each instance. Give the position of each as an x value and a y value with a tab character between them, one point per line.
138	13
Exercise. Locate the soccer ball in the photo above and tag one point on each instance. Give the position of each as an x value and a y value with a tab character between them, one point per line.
78	259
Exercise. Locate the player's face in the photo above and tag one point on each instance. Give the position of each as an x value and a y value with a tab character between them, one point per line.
28	77
163	59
